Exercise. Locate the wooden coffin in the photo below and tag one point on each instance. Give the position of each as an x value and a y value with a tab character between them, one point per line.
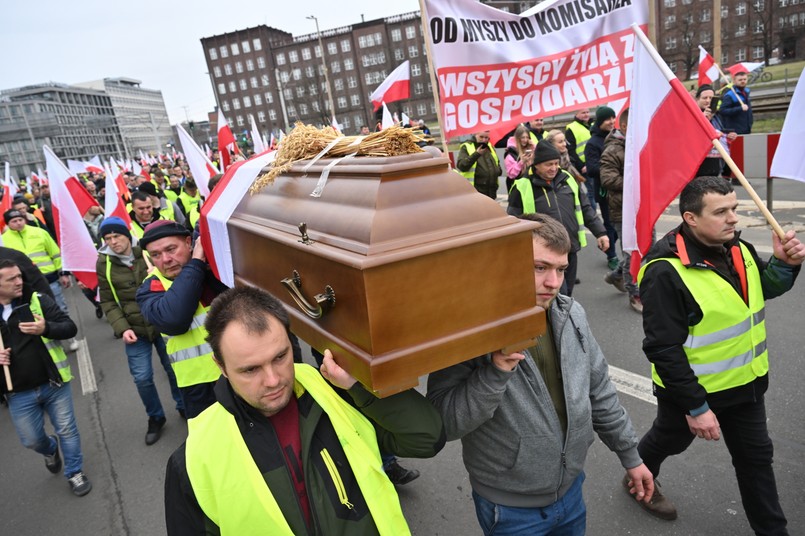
414	270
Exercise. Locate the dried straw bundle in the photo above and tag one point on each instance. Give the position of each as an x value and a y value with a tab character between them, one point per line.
306	141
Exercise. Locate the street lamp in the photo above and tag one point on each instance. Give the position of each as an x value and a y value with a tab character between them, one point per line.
324	65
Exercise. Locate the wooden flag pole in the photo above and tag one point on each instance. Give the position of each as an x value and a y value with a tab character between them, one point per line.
6	370
745	183
727	80
434	86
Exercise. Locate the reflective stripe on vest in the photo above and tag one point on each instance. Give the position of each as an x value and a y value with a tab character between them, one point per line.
190	355
233	494
523	185
582	135
727	348
55	350
470	174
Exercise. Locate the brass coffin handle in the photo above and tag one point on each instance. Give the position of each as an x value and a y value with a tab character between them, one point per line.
324	301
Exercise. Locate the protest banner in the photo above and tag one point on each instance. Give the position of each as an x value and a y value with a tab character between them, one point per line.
498	69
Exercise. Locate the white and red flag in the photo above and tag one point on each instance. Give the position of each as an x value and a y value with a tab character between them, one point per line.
498	69
9	191
335	125
257	139
113	200
94	165
396	86
708	70
77	248
227	145
745	67
388	119
666	142
218	208
789	159
200	166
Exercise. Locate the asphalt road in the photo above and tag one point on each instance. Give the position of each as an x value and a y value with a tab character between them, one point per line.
128	477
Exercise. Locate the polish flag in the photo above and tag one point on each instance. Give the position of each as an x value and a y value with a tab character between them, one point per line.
208	151
227	146
120	182
257	139
746	67
114	204
388	120
405	119
395	87
200	166
218	208
77	248
39	176
76	167
708	70
335	125
789	159
94	165
667	140
9	190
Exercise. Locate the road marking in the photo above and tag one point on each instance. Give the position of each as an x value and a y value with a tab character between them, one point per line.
632	384
85	370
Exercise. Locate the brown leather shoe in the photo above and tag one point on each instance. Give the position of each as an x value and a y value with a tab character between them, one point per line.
659	506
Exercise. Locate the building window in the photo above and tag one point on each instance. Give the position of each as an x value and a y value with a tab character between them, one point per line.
707	15
313	89
342	103
335	67
783	3
670	20
725	11
235	49
345	122
740	55
253	82
348	64
740	8
759	6
399	54
670	43
213	53
725	58
670	3
419	89
757	53
413	51
300	92
280	59
222	89
249	65
261	116
257	44
284	77
757	27
416	70
345	45
672	66
339	84
297	74
245	46
740	31
306	53
310	71
236	104
258	100
421	109
240	120
269	97
225	106
396	35
352	82
247	102
228	69
293	56
224	51
410	32
317	51
303	109
261	62
216	71
265	80
706	36
272	114
233	87
238	67
243	84
288	94
332	49
356	100
291	109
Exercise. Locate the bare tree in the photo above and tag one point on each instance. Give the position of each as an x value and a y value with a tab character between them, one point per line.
762	20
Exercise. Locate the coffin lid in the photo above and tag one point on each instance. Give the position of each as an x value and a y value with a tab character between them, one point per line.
373	205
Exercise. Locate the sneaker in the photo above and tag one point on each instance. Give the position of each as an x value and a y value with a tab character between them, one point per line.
73	346
53	462
659	505
616	280
613	262
80	484
154	430
399	475
636	304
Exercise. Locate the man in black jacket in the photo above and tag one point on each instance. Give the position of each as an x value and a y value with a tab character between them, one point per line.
39	375
604	123
704	292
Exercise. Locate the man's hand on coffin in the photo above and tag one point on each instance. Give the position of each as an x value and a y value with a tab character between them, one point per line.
198	251
506	363
334	373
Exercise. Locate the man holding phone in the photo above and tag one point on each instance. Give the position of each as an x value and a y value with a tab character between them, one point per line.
711	166
478	163
40	375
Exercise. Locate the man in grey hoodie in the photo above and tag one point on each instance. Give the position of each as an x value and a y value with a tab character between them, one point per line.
526	420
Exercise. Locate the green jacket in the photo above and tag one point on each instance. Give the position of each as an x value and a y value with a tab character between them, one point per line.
122	311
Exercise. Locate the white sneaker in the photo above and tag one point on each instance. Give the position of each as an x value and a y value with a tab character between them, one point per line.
73	346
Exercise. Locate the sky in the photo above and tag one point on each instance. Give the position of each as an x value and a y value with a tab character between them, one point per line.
152	41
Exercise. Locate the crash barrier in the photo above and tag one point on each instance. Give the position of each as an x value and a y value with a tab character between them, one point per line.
753	154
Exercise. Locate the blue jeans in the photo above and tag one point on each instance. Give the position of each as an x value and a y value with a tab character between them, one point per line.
139	356
28	414
59	296
565	517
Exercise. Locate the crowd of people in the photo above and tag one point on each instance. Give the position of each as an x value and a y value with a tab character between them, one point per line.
300	449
